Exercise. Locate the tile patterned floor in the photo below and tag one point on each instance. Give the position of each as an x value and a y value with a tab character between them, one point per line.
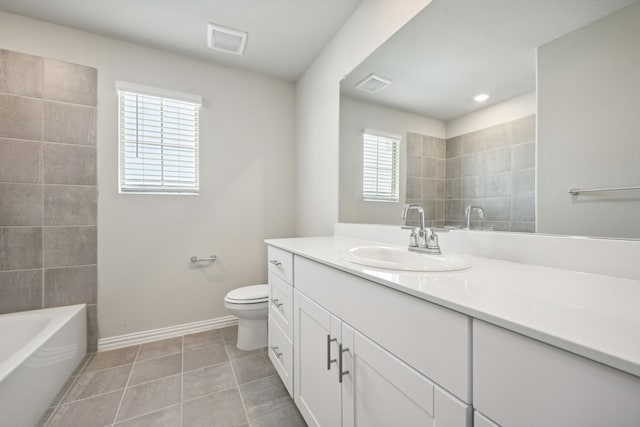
191	381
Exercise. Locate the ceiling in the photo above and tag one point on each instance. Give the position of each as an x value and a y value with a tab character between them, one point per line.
455	49
284	35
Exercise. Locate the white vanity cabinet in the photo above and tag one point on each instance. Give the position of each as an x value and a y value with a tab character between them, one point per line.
375	387
281	314
518	381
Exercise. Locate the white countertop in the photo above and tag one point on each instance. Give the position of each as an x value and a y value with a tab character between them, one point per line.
595	316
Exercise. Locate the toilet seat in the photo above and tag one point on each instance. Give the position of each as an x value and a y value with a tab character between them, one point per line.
254	294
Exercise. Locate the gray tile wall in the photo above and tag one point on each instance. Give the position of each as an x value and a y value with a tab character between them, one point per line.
48	194
426	177
493	168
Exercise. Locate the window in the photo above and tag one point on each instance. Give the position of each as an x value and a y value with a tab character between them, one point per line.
381	168
159	135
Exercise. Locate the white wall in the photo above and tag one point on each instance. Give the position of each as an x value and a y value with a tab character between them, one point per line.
589	128
317	108
355	116
247	177
506	111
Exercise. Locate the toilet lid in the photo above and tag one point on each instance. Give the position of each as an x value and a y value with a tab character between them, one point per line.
249	294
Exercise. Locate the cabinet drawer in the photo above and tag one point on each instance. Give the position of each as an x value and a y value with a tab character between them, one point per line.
518	381
281	263
281	354
433	340
281	303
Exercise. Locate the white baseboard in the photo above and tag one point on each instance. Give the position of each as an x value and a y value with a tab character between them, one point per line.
136	338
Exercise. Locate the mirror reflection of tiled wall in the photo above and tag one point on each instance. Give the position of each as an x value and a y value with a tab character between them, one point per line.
493	168
426	177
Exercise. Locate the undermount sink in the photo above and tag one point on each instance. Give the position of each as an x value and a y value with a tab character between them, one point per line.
403	259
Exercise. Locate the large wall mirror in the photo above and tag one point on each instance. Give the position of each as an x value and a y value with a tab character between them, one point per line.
490	112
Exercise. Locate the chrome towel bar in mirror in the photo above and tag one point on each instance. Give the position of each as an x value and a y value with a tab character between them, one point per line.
195	259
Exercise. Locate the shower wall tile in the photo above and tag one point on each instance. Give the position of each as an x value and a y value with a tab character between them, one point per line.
497	185
414	188
70	83
69	246
48	136
454	147
21	161
68	164
414	143
20	248
496	161
414	166
523	156
70	285
454	167
70	205
523	226
429	167
473	187
497	136
71	124
21	74
497	208
20	118
523	130
473	142
441	170
92	328
20	290
473	164
453	188
20	204
493	168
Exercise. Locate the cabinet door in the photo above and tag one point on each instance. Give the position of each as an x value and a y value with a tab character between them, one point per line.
316	388
380	390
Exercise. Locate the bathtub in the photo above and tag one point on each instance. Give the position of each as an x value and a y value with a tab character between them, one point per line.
39	350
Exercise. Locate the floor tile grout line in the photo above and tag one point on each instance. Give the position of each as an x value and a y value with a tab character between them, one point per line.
91	397
147	413
235	379
74	379
124	392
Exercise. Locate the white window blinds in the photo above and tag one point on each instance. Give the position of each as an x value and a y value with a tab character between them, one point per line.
159	138
381	167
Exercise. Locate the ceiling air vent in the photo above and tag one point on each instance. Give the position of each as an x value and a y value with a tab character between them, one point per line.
226	39
373	84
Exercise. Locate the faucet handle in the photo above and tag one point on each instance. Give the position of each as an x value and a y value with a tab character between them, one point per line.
440	229
413	237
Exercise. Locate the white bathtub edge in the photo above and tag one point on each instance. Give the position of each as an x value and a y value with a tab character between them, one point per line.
121	341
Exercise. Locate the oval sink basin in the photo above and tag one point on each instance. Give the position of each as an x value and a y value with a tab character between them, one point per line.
403	259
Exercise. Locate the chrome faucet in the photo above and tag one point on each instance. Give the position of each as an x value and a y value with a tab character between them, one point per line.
425	241
467	215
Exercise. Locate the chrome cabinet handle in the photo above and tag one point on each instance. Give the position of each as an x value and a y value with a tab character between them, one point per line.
341	373
277	302
275	262
274	348
329	359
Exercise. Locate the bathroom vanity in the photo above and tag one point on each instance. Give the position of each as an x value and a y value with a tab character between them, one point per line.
500	343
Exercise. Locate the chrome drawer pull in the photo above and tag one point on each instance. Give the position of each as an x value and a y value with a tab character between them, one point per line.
275	262
341	373
275	351
277	302
329	359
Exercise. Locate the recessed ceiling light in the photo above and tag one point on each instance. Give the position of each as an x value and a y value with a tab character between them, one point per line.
481	97
226	39
373	83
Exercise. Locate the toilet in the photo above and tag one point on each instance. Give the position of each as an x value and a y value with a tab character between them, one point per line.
250	305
